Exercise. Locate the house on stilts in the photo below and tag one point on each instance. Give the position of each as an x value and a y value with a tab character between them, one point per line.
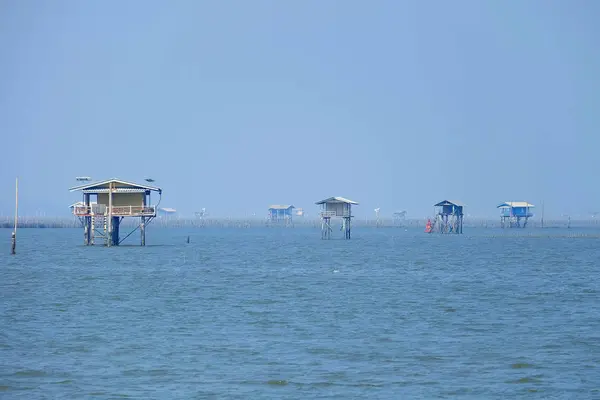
105	204
336	208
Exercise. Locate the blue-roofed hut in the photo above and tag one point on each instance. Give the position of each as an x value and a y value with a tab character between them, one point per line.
449	216
512	212
281	214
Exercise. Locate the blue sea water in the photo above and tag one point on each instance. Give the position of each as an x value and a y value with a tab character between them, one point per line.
280	314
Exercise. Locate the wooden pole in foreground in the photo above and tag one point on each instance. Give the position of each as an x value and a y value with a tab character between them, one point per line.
14	233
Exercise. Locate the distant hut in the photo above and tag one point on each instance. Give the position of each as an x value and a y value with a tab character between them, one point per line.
79	204
399	217
281	214
512	212
114	200
336	207
449	217
167	212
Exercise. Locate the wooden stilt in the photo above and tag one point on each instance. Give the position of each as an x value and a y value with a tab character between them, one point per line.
92	229
109	232
116	221
325	228
87	221
347	223
143	224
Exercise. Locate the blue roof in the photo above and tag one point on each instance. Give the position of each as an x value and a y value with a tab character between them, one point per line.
449	203
280	207
513	204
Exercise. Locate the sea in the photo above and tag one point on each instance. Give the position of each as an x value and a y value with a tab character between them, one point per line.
278	313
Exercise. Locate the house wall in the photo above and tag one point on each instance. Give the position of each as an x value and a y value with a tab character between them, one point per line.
278	213
522	212
103	198
451	209
340	209
123	199
516	212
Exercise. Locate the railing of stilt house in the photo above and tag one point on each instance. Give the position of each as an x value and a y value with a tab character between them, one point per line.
117	211
329	214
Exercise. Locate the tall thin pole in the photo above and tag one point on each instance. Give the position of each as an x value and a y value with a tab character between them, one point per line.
16	203
542	213
14	234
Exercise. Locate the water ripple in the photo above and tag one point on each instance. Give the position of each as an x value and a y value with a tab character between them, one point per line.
259	313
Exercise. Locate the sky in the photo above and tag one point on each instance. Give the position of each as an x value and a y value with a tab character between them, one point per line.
236	105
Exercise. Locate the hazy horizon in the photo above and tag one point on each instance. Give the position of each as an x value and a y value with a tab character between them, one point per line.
234	106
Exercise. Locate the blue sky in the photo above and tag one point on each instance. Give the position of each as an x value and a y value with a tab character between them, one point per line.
235	105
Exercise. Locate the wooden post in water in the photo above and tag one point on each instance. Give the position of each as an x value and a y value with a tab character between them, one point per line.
542	213
348	218
143	231
13	248
86	220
